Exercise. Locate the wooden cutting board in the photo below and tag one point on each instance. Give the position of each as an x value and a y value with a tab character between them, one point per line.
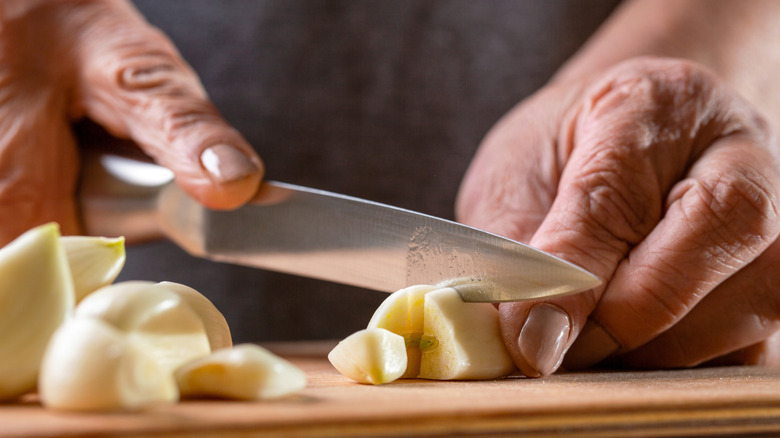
736	401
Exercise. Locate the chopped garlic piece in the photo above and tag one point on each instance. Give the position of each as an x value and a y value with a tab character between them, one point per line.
244	372
469	344
374	356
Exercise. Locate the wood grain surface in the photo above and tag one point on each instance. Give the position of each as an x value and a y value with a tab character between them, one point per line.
733	401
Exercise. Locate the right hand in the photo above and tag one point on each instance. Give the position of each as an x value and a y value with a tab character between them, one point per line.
62	61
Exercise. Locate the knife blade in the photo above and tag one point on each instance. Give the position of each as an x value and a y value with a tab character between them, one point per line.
328	236
338	238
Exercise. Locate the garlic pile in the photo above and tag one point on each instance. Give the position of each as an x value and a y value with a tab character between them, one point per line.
425	332
92	345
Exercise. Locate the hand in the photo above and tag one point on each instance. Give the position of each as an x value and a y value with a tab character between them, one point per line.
62	61
659	179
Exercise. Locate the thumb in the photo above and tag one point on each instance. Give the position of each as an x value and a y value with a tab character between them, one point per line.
133	81
509	189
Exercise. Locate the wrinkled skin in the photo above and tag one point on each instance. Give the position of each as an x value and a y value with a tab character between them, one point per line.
659	179
64	60
650	172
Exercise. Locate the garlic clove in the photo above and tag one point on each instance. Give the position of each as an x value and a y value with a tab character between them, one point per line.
467	342
217	327
94	261
373	356
402	313
92	366
244	372
36	296
154	316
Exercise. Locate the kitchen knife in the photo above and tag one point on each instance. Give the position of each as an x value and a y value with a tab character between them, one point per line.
338	238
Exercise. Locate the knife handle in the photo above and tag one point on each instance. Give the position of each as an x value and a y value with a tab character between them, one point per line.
118	196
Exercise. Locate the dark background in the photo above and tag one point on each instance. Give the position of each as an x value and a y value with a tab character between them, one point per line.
384	100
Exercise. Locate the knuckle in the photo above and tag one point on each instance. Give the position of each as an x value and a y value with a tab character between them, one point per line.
135	76
645	109
618	204
152	70
157	86
156	72
667	76
183	115
740	208
152	65
652	86
137	61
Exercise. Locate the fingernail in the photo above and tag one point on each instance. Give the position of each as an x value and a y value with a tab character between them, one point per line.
593	345
226	163
543	338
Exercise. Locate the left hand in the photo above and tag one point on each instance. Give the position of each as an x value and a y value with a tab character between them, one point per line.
62	61
659	179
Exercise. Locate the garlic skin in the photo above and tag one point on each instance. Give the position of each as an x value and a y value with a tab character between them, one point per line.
161	320
92	366
36	297
217	327
373	356
94	261
244	372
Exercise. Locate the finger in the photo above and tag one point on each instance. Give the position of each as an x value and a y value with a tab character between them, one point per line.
719	219
730	323
38	158
134	82
608	199
766	352
635	136
509	188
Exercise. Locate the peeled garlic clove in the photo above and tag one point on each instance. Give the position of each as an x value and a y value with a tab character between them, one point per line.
402	313
217	327
244	372
445	339
467	342
36	296
151	314
92	366
94	261
372	355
